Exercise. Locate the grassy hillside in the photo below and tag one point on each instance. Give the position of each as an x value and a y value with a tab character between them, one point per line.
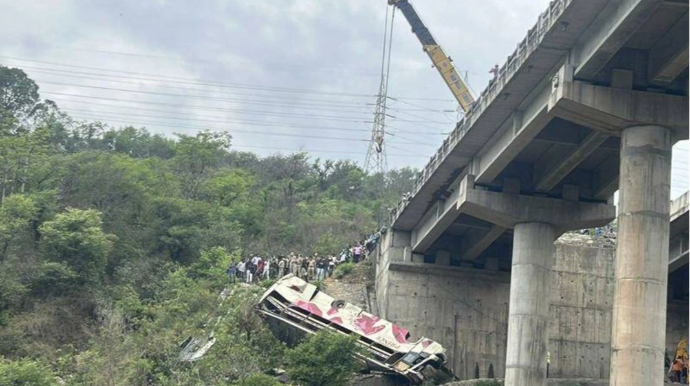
113	242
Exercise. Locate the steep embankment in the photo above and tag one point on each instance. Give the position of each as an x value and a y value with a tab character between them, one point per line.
356	287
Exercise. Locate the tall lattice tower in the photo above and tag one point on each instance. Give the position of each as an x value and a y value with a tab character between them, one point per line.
376	154
376	161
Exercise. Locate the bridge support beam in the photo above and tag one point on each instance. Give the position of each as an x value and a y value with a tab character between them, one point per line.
537	222
639	308
533	253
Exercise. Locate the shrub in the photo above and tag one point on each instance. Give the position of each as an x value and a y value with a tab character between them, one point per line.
258	380
343	269
25	372
323	359
53	278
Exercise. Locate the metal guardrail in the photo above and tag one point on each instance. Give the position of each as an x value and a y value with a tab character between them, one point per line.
505	73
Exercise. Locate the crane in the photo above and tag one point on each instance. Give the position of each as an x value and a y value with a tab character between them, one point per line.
438	57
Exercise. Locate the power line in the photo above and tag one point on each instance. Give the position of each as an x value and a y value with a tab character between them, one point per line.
171	79
282	98
205	108
219	84
281	102
361	71
95	116
177	105
223	121
165	124
138	101
320	151
334	118
411	103
193	96
229	121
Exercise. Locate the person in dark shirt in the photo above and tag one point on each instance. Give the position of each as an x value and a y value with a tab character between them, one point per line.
232	272
251	270
320	269
261	263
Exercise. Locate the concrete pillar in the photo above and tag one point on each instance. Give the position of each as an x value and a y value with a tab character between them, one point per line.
533	253
639	306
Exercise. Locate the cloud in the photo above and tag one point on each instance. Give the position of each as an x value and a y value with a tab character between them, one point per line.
332	46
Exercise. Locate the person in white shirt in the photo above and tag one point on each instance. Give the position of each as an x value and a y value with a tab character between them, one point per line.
267	269
242	269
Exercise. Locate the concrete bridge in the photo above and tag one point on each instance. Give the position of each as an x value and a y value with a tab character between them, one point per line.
678	234
590	102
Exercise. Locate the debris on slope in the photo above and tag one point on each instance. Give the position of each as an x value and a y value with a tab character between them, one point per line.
356	288
605	238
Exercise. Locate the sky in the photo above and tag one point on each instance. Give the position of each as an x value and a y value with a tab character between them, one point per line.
279	75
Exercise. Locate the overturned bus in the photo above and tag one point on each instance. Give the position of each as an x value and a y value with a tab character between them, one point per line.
294	308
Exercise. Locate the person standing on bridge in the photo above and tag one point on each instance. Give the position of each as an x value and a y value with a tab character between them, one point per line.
494	71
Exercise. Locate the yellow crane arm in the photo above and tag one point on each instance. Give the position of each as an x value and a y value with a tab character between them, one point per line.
439	58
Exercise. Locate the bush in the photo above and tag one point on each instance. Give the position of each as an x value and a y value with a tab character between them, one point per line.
12	293
53	278
323	359
343	269
76	238
319	284
258	380
25	372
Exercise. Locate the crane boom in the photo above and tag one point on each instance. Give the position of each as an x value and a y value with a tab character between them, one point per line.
441	61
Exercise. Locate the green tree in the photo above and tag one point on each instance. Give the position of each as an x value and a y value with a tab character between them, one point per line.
323	359
212	263
138	143
25	372
196	156
76	237
20	142
228	187
18	95
16	215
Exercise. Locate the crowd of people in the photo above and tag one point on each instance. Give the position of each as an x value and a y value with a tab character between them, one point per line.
312	267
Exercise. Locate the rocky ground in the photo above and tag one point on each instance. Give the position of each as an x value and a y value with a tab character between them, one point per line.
357	287
575	238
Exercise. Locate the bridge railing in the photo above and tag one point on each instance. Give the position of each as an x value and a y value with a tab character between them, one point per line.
505	73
